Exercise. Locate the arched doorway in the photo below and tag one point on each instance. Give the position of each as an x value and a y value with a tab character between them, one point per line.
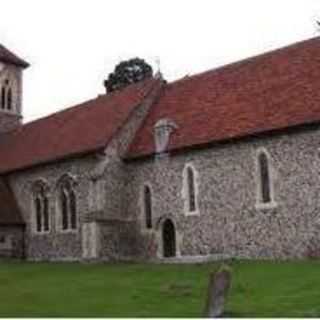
168	239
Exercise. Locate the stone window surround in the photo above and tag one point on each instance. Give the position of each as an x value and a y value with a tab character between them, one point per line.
185	190
11	112
44	184
259	202
178	237
9	86
58	217
143	209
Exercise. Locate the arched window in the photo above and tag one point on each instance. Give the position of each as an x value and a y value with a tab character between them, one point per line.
46	221
68	204
64	208
38	214
73	210
265	183
9	99
147	202
3	98
190	190
41	207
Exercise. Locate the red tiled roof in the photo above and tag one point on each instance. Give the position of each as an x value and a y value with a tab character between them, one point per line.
275	90
7	56
9	211
81	129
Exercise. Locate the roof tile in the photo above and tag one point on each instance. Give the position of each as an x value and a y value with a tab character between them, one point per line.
275	90
81	129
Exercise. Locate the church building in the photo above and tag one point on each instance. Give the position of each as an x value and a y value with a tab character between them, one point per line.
225	163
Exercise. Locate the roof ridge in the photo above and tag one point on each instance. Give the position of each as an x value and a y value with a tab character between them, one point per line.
75	132
274	90
243	61
82	104
55	113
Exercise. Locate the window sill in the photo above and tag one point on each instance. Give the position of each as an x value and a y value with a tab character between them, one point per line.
192	213
266	206
67	231
39	233
10	112
147	230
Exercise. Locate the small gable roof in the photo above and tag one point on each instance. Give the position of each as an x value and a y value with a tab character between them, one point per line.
275	90
81	129
9	57
9	210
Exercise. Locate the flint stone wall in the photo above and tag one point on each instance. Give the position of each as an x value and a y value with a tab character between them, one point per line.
120	237
11	242
99	192
57	244
230	220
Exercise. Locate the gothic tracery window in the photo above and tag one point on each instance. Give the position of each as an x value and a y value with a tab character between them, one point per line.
9	99
6	96
41	207
3	98
68	204
38	214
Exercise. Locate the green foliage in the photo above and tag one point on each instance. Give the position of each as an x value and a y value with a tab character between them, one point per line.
259	289
126	73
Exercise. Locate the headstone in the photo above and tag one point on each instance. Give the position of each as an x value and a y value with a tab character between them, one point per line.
218	289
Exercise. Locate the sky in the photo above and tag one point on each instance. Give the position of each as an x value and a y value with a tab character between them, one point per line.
72	45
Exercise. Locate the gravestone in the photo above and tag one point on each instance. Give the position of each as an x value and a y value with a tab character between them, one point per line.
218	289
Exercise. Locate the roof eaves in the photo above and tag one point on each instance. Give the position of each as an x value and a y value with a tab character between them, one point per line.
312	125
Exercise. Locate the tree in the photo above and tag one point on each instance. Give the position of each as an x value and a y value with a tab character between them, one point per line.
126	73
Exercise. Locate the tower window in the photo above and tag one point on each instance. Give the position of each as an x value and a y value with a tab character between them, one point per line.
3	98
9	99
6	96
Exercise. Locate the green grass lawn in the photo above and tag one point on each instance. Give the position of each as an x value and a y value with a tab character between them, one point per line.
259	289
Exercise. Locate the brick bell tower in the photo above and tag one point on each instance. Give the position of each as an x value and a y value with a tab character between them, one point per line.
11	68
